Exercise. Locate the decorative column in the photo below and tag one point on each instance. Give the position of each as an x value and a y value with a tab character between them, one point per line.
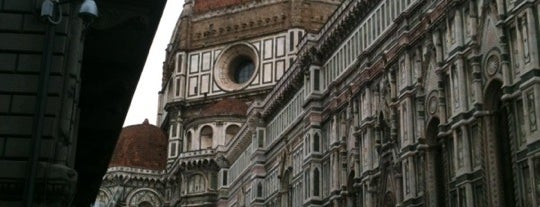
459	27
465	140
438	70
419	99
431	192
532	37
463	91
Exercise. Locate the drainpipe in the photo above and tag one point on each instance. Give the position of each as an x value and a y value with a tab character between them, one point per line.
38	121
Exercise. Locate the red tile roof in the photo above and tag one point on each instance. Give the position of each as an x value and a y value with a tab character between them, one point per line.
141	146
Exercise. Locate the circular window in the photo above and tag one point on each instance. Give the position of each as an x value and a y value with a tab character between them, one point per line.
236	67
242	69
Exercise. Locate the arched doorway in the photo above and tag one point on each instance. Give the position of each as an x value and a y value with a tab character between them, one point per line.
286	190
436	177
389	200
498	134
354	196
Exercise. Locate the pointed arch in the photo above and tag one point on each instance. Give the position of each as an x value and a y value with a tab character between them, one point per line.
316	142
259	190
316	182
436	180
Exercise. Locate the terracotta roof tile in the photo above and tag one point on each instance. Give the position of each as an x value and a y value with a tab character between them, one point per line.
141	146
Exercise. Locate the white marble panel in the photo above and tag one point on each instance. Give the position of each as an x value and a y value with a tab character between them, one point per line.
206	61
205	83
194	63
280	46
280	68
268	45
267	73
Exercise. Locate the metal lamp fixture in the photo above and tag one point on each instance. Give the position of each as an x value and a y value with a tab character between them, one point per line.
87	12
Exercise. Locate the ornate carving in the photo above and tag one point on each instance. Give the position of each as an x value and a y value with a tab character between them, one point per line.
532	111
146	197
492	65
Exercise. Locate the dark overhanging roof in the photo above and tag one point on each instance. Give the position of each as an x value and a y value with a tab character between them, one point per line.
115	50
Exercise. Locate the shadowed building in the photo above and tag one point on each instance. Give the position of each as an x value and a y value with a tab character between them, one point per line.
93	70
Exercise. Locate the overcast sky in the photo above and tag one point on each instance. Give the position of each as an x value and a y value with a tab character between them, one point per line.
144	102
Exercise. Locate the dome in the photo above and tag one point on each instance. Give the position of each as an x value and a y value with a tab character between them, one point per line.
141	146
226	107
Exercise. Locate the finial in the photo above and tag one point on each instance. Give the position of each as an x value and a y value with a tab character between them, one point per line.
145	121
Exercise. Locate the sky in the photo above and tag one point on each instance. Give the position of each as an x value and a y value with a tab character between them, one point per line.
145	100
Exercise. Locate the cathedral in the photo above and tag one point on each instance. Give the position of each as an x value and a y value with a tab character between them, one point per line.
341	103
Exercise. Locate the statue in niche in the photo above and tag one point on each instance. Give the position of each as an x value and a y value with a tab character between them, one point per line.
334	129
451	32
532	111
524	38
385	97
455	87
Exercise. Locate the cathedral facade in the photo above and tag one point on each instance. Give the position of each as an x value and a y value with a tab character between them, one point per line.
352	103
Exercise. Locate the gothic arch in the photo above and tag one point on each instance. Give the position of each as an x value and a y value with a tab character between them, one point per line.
316	142
285	182
144	195
316	182
103	197
389	199
354	196
436	178
259	192
488	30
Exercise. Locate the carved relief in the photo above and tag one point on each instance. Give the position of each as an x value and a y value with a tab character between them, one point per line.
433	104
145	198
492	65
524	38
532	111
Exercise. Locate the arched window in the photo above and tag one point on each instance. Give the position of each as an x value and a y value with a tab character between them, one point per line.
316	183
188	141
206	137
307	144
259	190
316	142
307	181
230	132
243	68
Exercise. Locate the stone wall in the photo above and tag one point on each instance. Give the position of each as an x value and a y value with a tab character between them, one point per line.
23	37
